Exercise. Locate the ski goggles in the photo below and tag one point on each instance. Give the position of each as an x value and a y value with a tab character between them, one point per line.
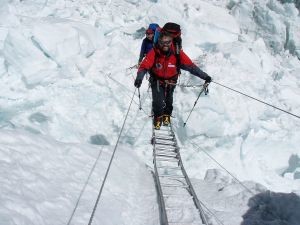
165	42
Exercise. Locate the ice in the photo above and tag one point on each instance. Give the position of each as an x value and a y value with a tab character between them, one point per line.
25	58
8	15
3	33
270	21
3	69
49	182
293	42
58	41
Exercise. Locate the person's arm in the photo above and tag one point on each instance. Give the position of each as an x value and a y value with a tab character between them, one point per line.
142	52
187	64
144	67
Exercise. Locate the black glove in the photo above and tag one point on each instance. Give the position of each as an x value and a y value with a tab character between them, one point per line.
207	79
137	83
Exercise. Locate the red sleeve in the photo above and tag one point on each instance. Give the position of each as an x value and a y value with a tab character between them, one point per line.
185	60
148	61
187	64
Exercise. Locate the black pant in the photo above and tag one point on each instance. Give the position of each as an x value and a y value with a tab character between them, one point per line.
162	98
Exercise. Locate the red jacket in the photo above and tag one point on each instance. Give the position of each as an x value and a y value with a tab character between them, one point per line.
164	66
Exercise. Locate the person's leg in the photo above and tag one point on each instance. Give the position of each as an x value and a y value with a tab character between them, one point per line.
169	104
158	99
169	100
158	102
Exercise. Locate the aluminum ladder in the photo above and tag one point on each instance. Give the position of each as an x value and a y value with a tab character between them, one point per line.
178	202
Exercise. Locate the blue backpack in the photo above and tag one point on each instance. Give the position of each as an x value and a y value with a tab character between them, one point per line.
153	26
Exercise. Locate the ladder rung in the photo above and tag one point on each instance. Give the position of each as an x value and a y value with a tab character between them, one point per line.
176	208
163	128
166	152
168	160
164	137
174	185
182	223
165	144
171	148
171	176
167	167
178	195
172	158
161	140
164	132
166	155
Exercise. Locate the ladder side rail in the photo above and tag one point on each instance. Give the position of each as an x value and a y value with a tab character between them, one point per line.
162	208
192	191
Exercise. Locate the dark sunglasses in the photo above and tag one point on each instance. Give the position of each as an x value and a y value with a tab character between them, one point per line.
164	42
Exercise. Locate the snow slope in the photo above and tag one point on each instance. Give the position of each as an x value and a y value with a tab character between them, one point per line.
41	181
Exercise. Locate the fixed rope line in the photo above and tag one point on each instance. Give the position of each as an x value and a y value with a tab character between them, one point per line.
110	162
222	167
285	111
83	189
214	215
125	88
244	186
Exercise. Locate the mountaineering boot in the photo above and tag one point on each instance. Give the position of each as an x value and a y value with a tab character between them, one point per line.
157	123
166	120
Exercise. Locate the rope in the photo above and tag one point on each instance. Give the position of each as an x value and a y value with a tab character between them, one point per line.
244	186
110	162
83	189
207	209
222	167
190	85
125	88
258	100
211	213
182	85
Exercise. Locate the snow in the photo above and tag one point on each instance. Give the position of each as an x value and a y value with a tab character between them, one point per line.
2	67
65	89
27	60
41	182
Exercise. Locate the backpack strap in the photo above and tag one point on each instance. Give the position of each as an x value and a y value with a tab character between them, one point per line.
175	30
177	55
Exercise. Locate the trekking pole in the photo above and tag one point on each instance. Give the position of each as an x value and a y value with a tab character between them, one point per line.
202	90
140	103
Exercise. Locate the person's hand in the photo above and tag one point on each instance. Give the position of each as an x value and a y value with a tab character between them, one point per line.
207	79
137	65
137	83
